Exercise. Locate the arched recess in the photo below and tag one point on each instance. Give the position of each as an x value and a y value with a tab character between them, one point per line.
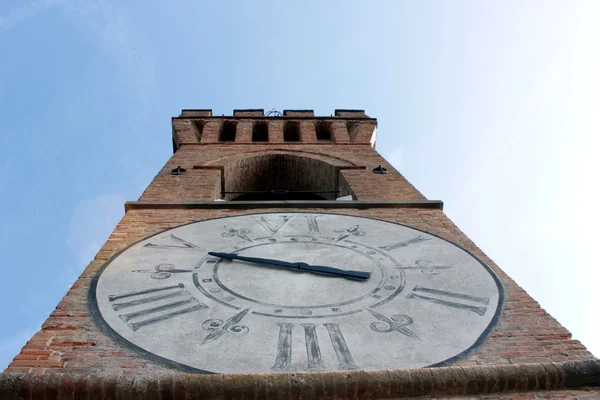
283	177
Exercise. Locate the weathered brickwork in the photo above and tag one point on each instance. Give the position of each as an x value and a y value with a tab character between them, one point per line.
70	341
589	394
351	126
204	185
530	381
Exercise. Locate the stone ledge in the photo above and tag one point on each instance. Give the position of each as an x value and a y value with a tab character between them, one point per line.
161	205
409	383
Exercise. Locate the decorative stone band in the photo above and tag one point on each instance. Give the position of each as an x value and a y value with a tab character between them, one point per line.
141	205
431	382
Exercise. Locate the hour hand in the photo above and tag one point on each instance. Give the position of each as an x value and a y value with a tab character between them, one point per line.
256	260
315	269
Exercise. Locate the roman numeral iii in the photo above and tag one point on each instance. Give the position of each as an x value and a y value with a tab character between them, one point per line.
446	298
151	306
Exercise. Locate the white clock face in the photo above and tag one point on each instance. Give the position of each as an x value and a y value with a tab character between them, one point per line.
428	302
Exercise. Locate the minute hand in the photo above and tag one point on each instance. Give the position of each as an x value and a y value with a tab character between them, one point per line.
315	269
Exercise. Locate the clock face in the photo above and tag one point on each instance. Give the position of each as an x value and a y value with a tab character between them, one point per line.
427	302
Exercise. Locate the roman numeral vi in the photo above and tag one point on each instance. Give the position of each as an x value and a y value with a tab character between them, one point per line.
283	361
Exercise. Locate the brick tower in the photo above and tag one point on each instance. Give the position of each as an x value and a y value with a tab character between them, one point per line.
154	310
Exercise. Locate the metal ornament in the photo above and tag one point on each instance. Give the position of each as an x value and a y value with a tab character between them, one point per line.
380	170
178	171
273	113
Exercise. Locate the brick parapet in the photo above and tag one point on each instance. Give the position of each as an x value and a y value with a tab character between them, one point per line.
307	131
258	112
348	127
298	113
210	132
70	341
196	113
529	381
244	132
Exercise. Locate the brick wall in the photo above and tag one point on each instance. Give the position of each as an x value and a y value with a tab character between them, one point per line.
202	183
71	341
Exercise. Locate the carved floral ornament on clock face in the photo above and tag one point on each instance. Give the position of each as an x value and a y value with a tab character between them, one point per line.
270	297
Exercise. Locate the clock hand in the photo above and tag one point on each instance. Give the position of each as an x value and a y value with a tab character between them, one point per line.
315	269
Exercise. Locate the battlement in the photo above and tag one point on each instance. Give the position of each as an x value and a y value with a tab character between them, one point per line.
259	112
254	126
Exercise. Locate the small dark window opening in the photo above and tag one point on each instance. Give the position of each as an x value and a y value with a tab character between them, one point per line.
291	131
227	132
323	129
260	132
199	125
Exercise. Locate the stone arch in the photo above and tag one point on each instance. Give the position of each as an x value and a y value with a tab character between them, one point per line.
334	160
283	176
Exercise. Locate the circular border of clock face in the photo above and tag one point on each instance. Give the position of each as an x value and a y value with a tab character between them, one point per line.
297	304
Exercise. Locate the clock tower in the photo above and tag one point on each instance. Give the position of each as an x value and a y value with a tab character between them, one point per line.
280	256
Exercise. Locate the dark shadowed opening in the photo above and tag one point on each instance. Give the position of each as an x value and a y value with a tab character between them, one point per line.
199	126
227	132
323	130
260	132
291	131
283	177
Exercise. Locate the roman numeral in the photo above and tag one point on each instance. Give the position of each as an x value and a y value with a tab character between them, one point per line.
404	243
152	305
341	348
176	243
284	347
283	360
313	226
418	291
281	221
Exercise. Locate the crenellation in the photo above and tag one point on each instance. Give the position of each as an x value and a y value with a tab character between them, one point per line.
196	113
259	112
298	113
295	126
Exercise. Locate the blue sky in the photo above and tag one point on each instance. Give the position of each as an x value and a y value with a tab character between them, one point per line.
491	107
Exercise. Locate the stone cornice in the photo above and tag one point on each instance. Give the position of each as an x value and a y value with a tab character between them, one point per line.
407	383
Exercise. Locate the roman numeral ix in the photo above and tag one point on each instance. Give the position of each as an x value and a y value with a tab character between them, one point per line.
283	361
153	308
311	220
177	243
